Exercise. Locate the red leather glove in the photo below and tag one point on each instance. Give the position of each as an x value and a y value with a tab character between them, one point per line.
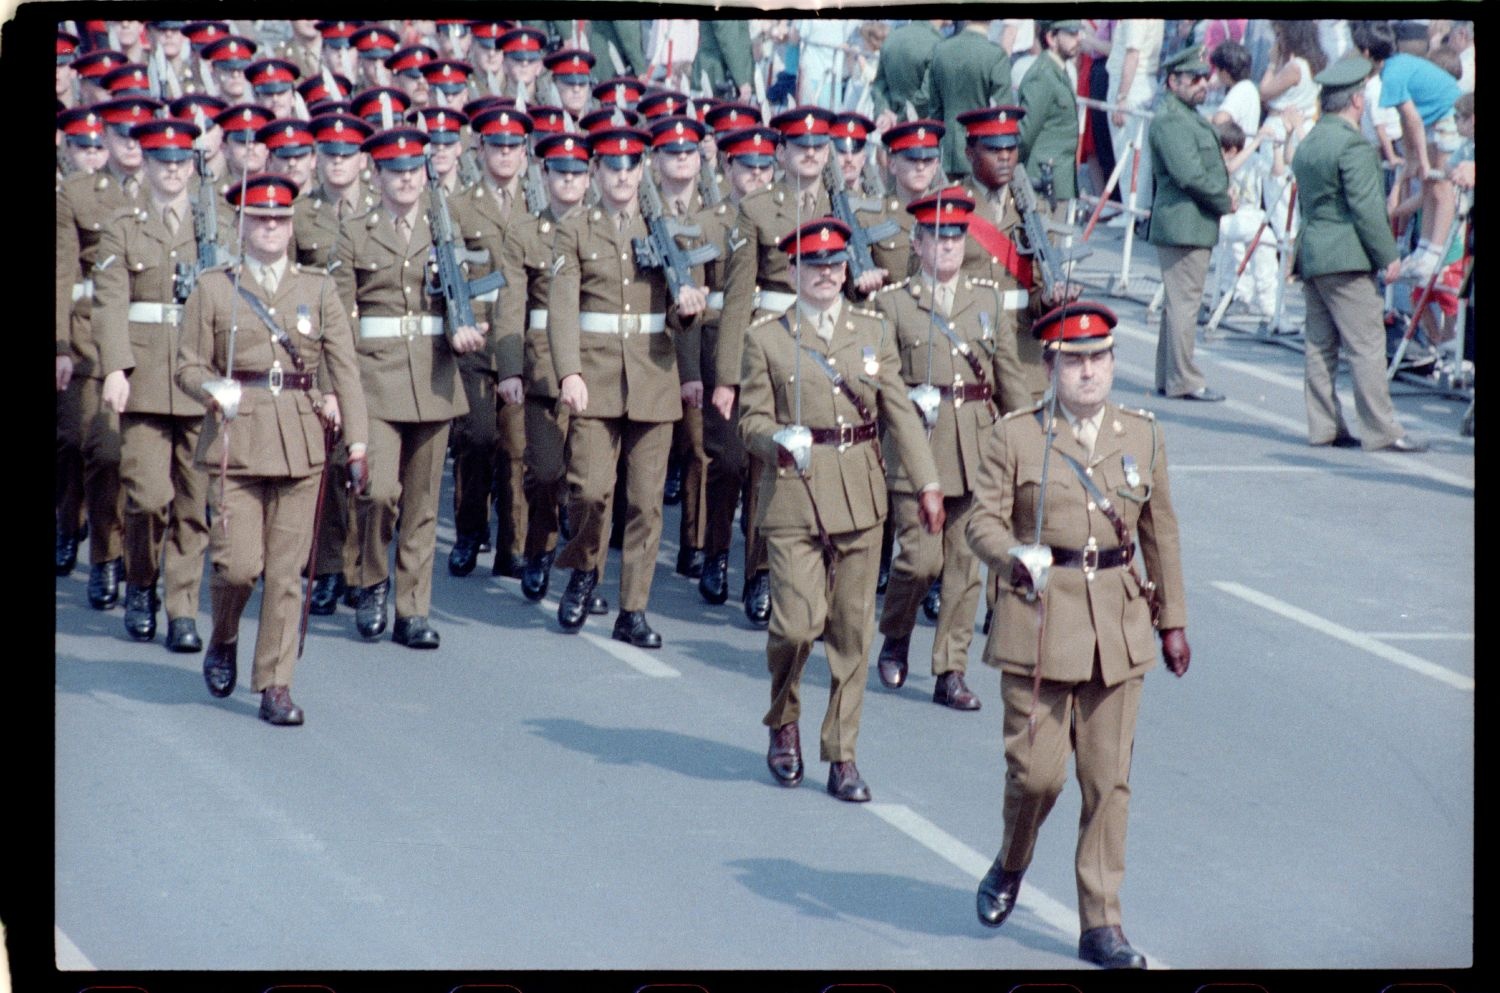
359	474
1174	645
930	510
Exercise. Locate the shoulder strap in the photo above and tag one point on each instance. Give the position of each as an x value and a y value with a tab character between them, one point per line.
282	338
841	384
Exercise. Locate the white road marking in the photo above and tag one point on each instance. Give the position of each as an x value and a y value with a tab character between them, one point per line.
927	834
1365	642
69	957
1422	635
1179	467
638	659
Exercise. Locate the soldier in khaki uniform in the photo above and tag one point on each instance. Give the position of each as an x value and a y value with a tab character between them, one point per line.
137	322
411	385
243	156
373	44
912	152
818	383
85	205
489	445
521	64
1104	484
571	69
284	324
962	373
304	48
617	371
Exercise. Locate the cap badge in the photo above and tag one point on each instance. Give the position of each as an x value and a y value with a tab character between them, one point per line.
1083	322
808	122
567	144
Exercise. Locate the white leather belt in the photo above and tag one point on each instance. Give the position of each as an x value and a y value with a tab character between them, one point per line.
142	312
622	323
493	296
774	300
410	326
716	300
1016	299
83	289
537	319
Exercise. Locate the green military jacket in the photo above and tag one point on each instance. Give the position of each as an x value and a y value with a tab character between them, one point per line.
1049	131
724	52
1192	184
966	71
1341	198
902	66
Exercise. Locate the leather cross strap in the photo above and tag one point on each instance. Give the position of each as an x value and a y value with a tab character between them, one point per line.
282	338
962	347
837	378
1122	532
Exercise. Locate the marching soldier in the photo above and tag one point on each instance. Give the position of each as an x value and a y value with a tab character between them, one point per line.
912	149
228	56
273	82
521	64
406	73
289	150
1074	684
268	329
411	386
90	70
1049	131
961	373
489	444
814	381
137	322
444	130
304	48
373	45
450	83
325	94
851	135
617	372
489	61
571	71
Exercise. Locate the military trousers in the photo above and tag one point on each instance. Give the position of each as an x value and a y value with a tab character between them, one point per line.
1183	272
687	444
733	474
270	532
804	606
68	462
166	506
1344	310
546	468
1096	723
923	557
406	478
489	456
595	446
337	549
104	496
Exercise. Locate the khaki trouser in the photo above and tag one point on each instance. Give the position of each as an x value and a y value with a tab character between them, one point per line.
802	608
103	492
1345	310
270	531
546	468
595	445
489	448
337	545
1097	724
406	476
921	559
68	464
687	442
166	503
1183	272
732	471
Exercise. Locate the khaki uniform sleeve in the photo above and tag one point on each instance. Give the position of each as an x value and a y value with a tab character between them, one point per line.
342	365
563	303
112	302
1160	543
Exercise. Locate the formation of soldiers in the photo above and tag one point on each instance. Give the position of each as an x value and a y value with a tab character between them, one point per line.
291	278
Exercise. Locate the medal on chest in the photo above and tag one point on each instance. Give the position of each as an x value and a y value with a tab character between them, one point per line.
872	364
1132	471
304	319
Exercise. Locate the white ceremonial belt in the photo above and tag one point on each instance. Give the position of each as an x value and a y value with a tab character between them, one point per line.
142	312
410	326
1016	299
774	300
716	300
622	323
83	289
493	296
536	320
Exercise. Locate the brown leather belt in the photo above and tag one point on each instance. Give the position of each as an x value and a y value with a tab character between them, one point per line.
845	434
1090	559
967	392
280	381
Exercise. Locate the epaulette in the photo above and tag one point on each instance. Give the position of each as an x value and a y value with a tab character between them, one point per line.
867	313
1139	412
888	287
767	319
1025	410
544	226
983	281
764	191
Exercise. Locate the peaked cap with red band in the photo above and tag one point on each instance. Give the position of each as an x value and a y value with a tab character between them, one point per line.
287	139
128	80
336	34
755	145
662	103
315	89
264	196
375	42
125	113
200	33
805	125
732	117
547	119
633	88
67	47
339	134
400	149
604	118
851	130
98	62
443	126
615	143
564	152
993	127
677	133
166	139
570	65
82	126
503	126
946	210
522	43
488	33
411	59
915	139
230	52
242	121
823	241
366	103
272	75
1080	326
448	75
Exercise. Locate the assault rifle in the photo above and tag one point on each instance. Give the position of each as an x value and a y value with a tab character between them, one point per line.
205	232
1033	241
844	207
659	249
450	254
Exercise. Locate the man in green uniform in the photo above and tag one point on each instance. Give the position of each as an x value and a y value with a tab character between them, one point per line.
823	496
724	55
967	71
1345	239
1049	131
1192	193
1078	689
902	66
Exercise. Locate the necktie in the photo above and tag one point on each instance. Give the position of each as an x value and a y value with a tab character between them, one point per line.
403	228
825	326
944	300
621	220
505	198
1086	433
169	217
268	279
809	204
131	186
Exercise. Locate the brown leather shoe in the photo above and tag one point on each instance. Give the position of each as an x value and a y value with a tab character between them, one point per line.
844	783
785	756
1108	947
276	706
950	691
997	894
892	662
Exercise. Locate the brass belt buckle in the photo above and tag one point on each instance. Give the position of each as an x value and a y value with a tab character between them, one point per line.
1090	559
958	393
273	378
630	324
846	436
411	325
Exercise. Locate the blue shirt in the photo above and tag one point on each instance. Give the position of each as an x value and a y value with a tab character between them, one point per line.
1406	77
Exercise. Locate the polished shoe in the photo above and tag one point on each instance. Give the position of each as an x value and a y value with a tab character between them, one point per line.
844	783
1404	444
785	755
1107	947
414	632
351	595
671	493
67	551
276	707
997	894
369	609
757	597
182	635
326	591
950	691
573	609
713	585
1337	441
631	626
140	612
598	606
465	554
690	562
892	661
219	668
932	603
104	584
536	576
1203	394
508	566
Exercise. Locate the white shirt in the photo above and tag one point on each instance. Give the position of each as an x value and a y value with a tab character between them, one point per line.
1145	36
1242	104
1303	94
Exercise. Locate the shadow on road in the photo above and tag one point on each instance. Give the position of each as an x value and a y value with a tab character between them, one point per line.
685	754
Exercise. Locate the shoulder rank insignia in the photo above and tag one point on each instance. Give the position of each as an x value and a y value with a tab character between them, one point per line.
1138	412
1025	410
545	226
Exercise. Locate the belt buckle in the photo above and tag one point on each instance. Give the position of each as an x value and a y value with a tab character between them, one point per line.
846	435
958	392
411	325
1090	558
274	378
630	324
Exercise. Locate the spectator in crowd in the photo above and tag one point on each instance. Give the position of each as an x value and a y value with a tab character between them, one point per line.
1461	40
1098	150
1295	58
1256	288
1241	103
1134	54
1220	30
1447	60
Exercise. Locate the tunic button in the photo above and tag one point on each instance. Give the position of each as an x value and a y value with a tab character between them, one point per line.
1092	507
626	281
171	255
405	263
1089	471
